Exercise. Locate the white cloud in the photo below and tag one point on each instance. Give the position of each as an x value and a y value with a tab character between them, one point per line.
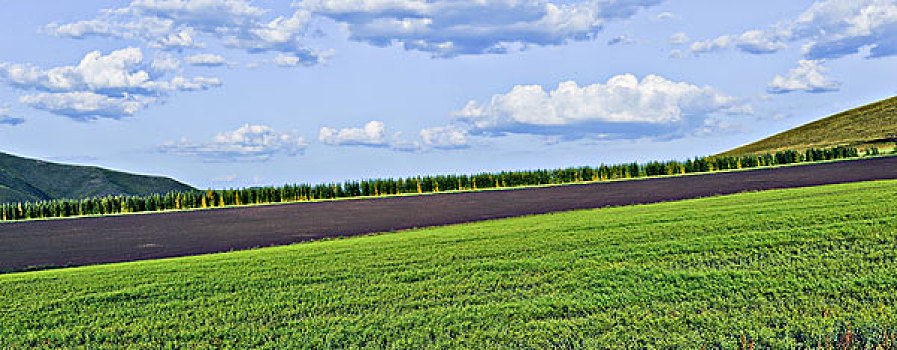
85	105
7	119
280	34
102	86
754	41
679	39
183	39
623	107
808	76
178	24
665	16
445	137
165	63
207	60
447	28
371	134
301	58
246	143
830	29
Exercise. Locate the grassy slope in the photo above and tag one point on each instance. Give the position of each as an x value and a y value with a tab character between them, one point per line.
875	121
23	179
780	266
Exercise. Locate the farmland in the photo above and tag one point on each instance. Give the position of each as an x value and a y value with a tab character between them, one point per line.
133	237
192	199
783	268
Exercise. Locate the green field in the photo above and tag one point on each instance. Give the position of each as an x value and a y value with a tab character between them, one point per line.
874	124
784	268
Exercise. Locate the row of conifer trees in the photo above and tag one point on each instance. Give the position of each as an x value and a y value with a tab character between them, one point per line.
412	185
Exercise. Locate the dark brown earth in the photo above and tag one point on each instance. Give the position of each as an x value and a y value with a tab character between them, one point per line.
135	237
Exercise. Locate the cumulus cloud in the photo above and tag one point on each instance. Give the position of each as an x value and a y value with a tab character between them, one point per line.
624	107
179	24
808	76
207	60
829	29
101	86
246	143
7	119
445	137
372	134
447	28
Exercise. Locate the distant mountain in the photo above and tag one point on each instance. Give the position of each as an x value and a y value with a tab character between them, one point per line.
875	123
23	179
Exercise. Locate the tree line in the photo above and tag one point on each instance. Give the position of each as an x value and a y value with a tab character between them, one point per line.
411	185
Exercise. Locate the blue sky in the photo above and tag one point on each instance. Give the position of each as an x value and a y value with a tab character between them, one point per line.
231	93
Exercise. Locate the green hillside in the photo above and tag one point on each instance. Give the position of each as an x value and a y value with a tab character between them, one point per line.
874	124
785	269
23	179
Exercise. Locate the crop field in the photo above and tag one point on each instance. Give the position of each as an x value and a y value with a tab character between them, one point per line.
64	242
794	268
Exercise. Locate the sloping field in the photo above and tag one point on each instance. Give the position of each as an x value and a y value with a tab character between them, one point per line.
874	123
785	269
134	237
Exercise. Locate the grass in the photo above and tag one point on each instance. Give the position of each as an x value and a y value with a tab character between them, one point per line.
874	124
785	268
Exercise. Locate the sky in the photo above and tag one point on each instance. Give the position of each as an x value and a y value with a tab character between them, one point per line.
235	93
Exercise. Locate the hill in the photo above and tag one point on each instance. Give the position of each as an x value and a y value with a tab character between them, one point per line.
784	268
875	123
23	179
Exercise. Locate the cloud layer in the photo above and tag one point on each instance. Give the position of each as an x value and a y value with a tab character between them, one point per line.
113	86
624	107
246	143
183	24
830	29
447	28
